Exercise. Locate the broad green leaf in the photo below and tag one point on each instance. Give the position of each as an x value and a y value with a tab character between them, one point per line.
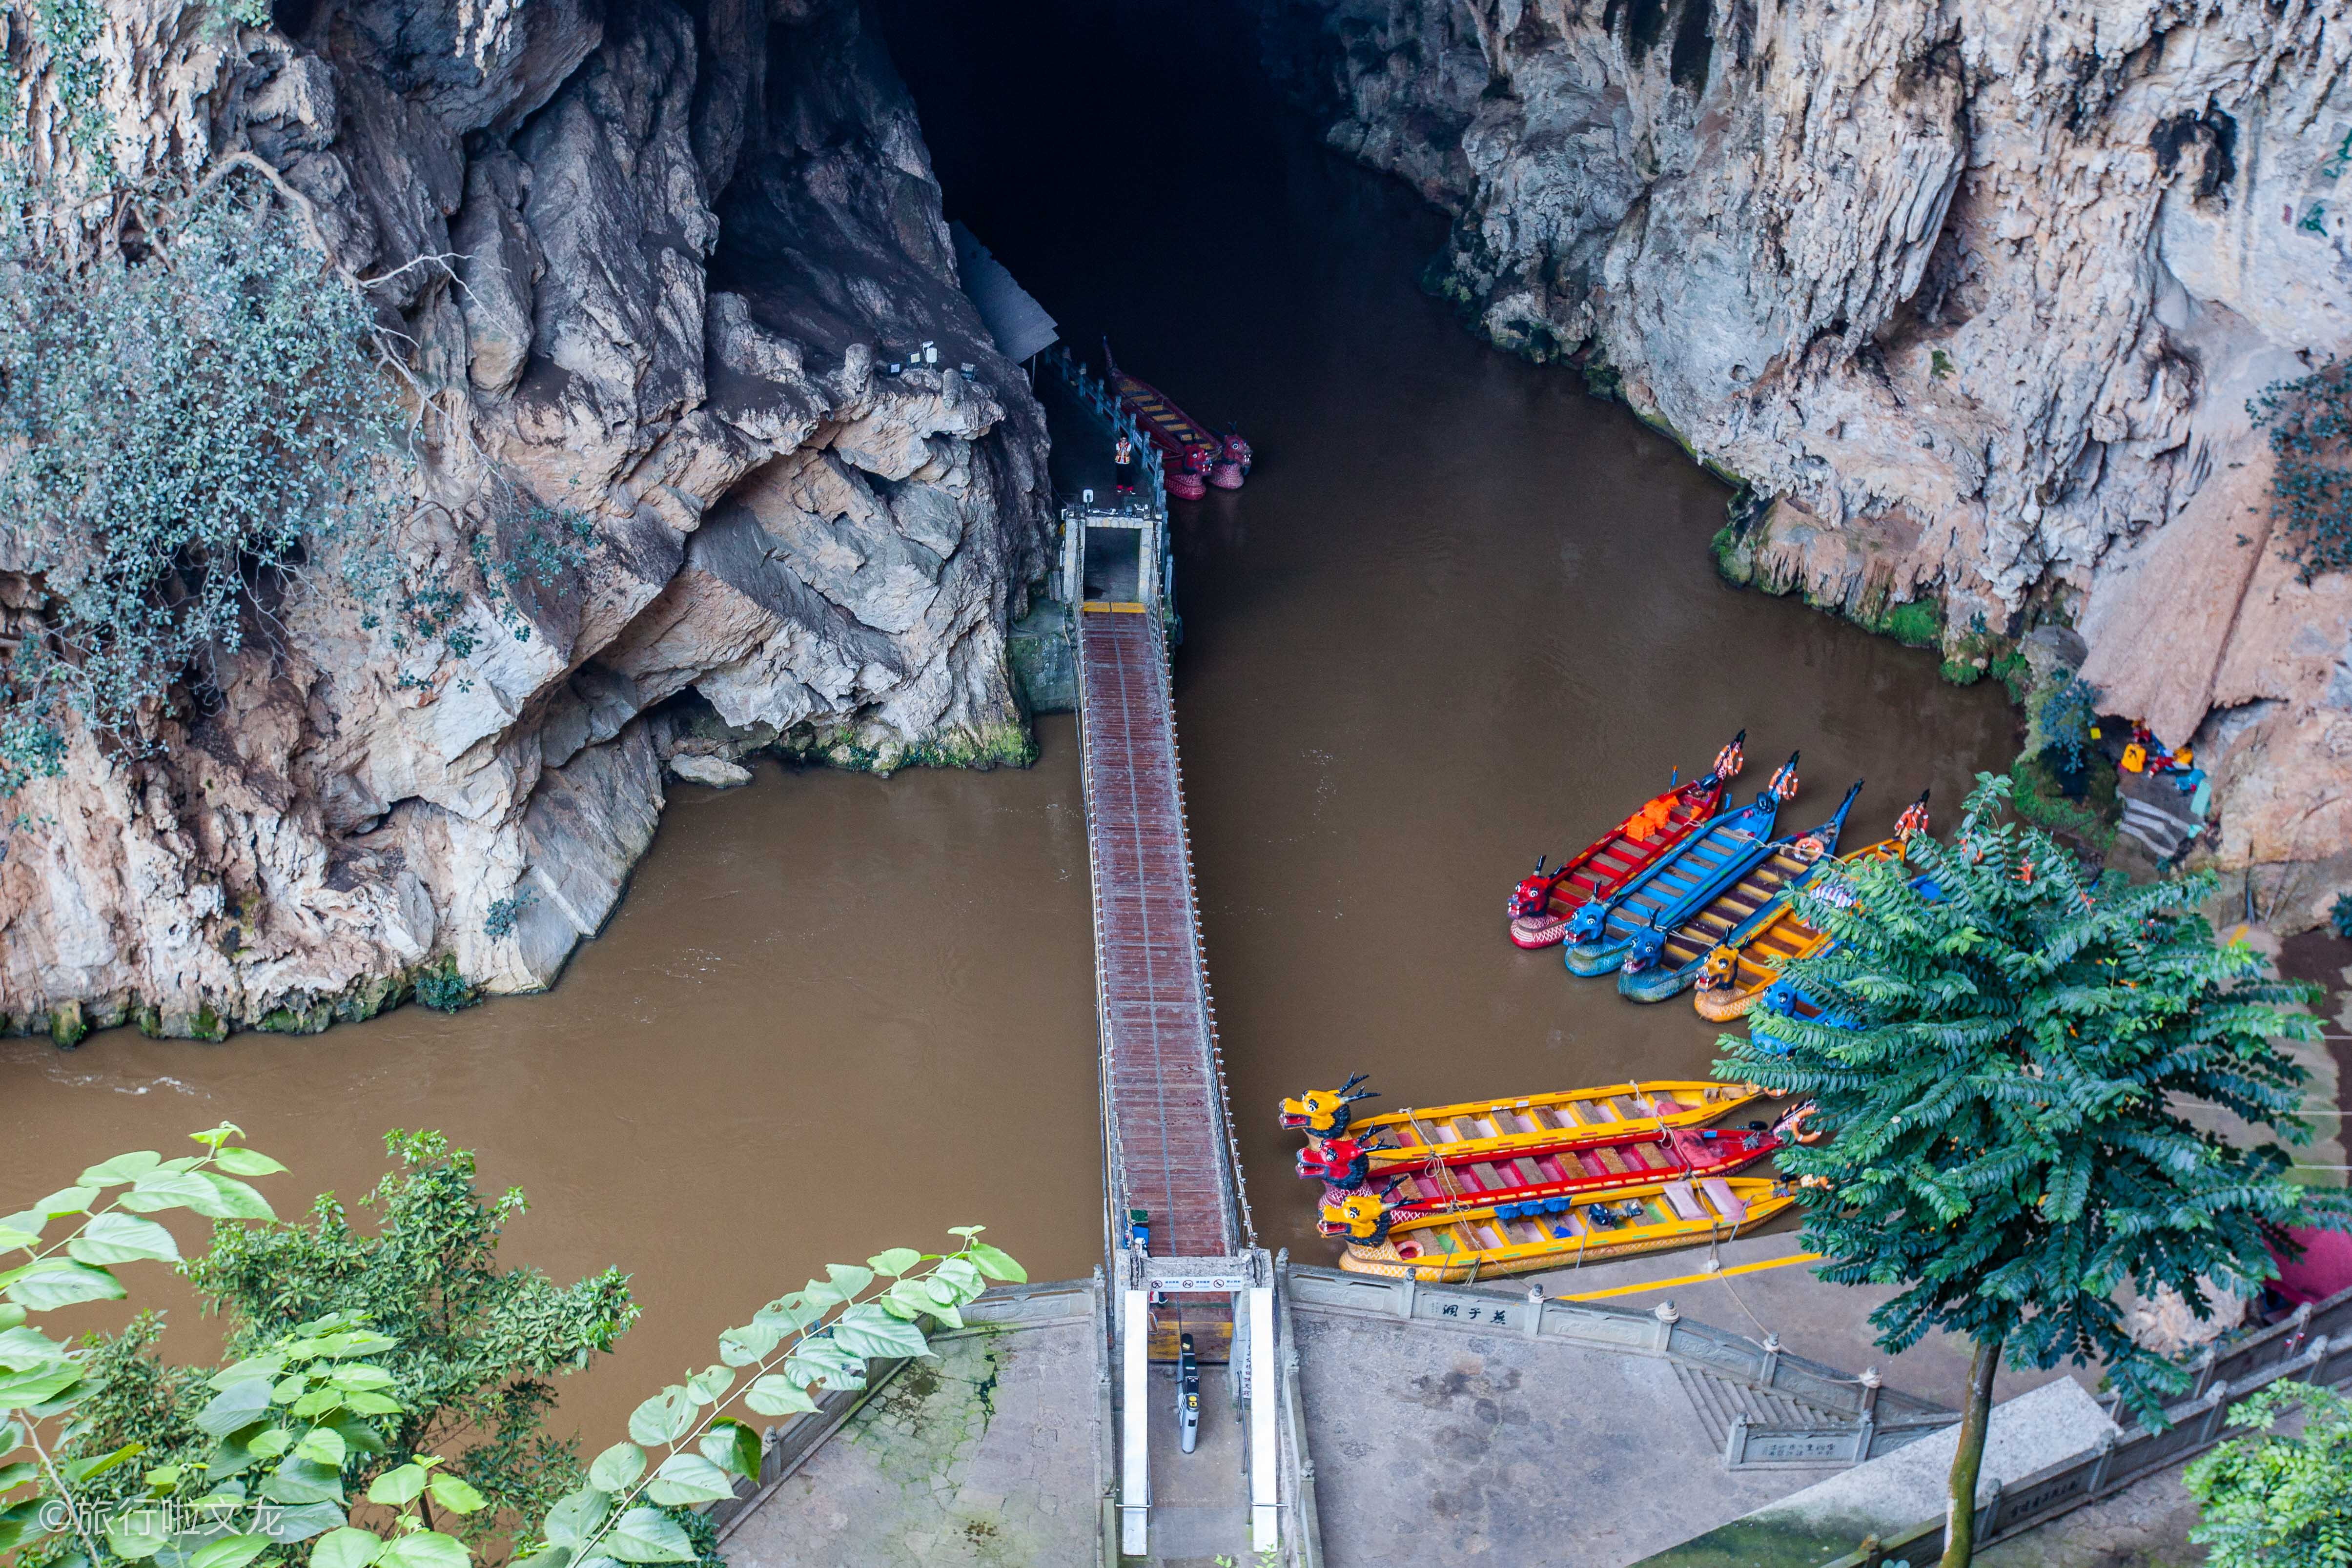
214	1137
232	1199
648	1535
318	1402
21	1231
774	1395
53	1282
664	1418
288	1388
865	1330
269	1443
685	1479
398	1487
120	1169
549	1557
733	1447
118	1239
298	1481
239	1161
161	1189
424	1548
139	1533
998	1266
570	1522
22	1522
323	1445
617	1468
849	1277
359	1436
234	1408
370	1403
346	1548
288	1525
11	1314
231	1552
894	1261
816	1296
788	1313
80	1470
744	1347
67	1200
710	1385
358	1375
961	1276
456	1495
16	1475
31	1390
966	1231
267	1368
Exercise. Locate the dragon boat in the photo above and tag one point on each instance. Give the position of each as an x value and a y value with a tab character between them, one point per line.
1485	1129
1668	953
1461	1181
1191	455
1736	973
1600	933
1543	902
1559	1232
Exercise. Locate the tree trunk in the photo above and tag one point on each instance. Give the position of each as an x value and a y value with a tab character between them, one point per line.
1960	1496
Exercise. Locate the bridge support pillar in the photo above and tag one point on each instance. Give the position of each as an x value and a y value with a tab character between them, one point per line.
1263	1440
1135	1451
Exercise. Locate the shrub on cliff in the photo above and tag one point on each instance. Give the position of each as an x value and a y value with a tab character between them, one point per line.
2309	422
182	420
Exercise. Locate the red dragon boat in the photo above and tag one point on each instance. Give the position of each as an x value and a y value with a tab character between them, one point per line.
1541	904
1192	457
1464	1181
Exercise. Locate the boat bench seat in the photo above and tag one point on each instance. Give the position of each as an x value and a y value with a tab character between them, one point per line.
1684	1201
1727	1202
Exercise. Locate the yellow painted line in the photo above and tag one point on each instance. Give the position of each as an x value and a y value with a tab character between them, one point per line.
1693	1279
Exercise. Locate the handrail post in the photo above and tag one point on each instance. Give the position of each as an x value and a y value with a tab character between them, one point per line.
2103	1459
1667	1318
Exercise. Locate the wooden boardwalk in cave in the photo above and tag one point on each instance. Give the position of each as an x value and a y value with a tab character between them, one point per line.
1163	1091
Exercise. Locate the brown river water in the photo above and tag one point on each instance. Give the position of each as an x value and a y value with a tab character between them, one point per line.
1463	613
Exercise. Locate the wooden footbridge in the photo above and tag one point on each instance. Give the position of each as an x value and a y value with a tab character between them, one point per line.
1181	1249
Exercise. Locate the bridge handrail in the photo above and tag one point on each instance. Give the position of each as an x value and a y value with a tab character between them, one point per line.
1105	402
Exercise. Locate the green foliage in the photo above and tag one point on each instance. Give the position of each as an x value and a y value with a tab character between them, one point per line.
445	990
2007	1142
477	1346
2063	720
2339	915
684	1448
1939	363
2309	422
1915	624
2040	797
500	918
178	426
44	1381
2274	1501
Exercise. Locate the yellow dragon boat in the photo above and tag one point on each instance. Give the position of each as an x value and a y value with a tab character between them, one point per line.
1737	972
1512	1126
1554	1233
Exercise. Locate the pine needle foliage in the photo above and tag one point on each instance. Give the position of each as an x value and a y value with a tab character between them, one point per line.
2010	1137
480	1344
2278	1500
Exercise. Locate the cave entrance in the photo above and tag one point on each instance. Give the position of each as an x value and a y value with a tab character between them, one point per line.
1115	571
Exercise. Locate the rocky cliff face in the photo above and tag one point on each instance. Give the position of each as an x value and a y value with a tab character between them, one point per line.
651	260
1973	296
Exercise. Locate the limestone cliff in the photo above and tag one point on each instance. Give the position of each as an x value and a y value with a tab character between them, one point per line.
1972	295
650	261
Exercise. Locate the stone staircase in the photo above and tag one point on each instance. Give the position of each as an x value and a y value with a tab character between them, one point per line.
1719	1402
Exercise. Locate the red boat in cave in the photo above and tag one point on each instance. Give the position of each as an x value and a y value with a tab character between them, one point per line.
1542	903
1192	457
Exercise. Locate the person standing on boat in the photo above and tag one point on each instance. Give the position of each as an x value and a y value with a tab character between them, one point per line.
1122	457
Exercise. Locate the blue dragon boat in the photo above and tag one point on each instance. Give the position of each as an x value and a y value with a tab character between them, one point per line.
1600	933
1668	953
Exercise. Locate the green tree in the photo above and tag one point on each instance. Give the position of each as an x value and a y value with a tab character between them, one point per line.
477	1346
2276	1500
2004	1069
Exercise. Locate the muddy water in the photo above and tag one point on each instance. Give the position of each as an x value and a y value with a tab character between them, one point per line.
1461	615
